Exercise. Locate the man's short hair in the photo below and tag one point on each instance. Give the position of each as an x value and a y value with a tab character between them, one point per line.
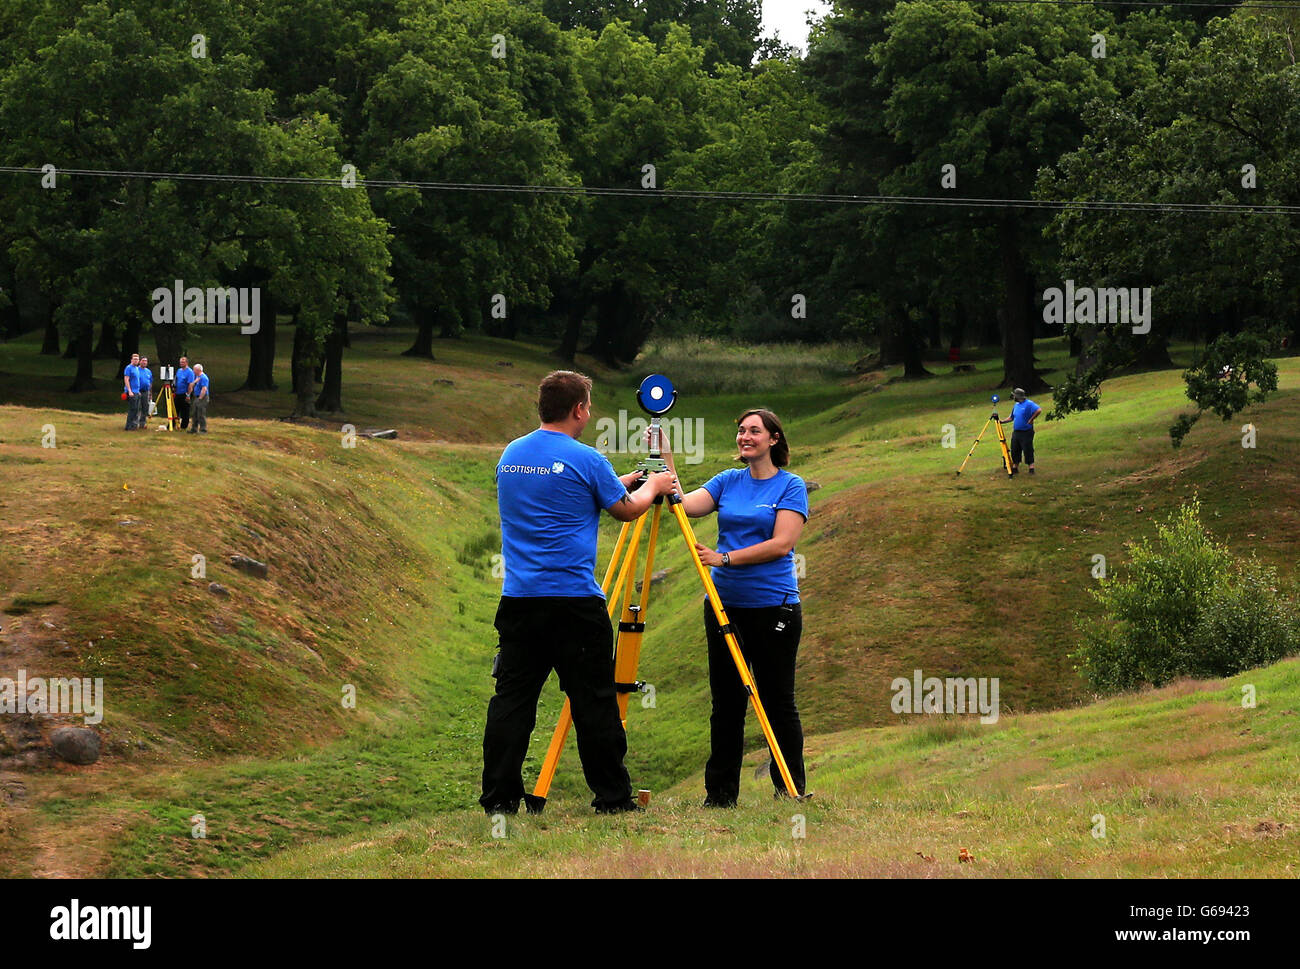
559	392
198	366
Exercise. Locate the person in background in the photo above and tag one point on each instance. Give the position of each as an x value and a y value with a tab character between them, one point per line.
184	377
199	391
146	391
131	384
1023	414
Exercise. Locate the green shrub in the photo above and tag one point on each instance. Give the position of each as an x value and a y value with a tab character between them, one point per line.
1185	607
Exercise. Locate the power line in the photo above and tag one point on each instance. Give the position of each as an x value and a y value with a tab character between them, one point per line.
1101	205
1251	5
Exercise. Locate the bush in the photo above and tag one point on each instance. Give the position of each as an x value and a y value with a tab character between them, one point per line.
1185	607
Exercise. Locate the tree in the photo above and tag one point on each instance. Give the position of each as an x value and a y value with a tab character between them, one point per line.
449	110
984	94
1217	123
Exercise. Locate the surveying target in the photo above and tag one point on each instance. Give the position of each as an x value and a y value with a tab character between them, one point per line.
656	395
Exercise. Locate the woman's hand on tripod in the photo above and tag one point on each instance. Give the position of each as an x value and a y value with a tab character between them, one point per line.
707	555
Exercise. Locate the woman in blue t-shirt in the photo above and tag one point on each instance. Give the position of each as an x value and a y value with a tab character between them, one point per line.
761	512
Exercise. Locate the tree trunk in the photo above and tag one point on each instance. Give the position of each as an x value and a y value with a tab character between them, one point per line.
959	323
1087	336
1018	332
130	343
302	367
607	322
82	347
423	345
261	349
12	317
331	395
990	327
50	347
576	312
906	342
168	343
107	349
1154	353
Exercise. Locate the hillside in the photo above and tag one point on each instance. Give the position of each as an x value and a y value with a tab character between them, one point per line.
1179	783
380	578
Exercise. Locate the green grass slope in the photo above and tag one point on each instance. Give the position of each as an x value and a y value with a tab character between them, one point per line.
1178	783
381	579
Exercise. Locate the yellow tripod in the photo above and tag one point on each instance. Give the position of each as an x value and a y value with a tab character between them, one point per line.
631	627
166	400
1002	440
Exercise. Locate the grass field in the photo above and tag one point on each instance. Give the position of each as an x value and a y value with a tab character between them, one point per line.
380	560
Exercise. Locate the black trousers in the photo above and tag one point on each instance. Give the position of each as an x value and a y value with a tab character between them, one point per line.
770	653
574	637
182	409
1022	441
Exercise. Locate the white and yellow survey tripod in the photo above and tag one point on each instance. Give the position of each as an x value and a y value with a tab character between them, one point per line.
164	405
655	396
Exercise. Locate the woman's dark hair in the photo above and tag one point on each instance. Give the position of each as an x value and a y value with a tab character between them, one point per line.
780	449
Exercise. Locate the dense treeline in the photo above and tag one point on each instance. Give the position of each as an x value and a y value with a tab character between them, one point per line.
924	99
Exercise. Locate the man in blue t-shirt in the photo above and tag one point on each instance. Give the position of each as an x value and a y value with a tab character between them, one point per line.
131	384
199	390
146	391
1023	414
552	615
181	394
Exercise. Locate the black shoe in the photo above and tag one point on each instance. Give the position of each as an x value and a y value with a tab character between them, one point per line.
1031	470
718	802
508	808
618	807
205	430
779	793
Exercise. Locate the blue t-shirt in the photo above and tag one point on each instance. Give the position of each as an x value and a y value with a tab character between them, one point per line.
132	374
1021	413
184	377
550	490
747	508
146	379
200	384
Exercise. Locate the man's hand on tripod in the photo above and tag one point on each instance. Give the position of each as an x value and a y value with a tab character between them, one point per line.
663	483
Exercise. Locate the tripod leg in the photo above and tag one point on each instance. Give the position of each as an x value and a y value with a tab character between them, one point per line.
616	595
631	627
1006	452
733	646
976	444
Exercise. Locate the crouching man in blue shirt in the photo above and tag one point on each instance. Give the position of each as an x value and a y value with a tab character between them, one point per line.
552	615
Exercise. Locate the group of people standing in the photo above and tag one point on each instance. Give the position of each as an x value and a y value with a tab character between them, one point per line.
552	614
190	394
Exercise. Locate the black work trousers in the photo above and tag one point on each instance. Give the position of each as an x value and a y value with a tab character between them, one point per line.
1022	442
574	637
770	652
